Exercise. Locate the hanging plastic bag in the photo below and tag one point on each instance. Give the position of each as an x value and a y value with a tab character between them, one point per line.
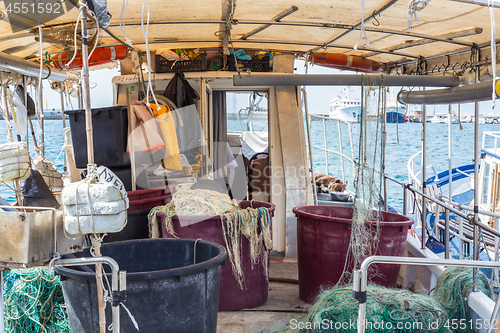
165	120
20	114
145	135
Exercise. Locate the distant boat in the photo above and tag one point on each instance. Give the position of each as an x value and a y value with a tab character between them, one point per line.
396	117
444	119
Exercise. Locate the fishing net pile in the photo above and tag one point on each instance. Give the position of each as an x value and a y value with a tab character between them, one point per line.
387	310
252	223
33	302
453	288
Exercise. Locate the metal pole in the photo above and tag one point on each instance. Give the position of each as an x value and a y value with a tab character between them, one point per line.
341	151
463	94
326	146
360	287
116	284
61	86
42	122
2	324
475	254
258	79
405	200
311	161
450	187
86	85
424	176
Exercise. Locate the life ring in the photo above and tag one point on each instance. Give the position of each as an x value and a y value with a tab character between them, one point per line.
347	62
101	55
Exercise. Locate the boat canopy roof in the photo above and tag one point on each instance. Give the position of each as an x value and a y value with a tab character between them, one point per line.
300	26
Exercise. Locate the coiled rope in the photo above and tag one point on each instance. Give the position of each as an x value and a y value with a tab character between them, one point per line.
413	7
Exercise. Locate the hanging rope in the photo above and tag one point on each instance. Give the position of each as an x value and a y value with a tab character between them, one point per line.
420	65
363	31
413	7
473	59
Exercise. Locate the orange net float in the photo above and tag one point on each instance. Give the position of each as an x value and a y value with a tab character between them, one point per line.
346	62
101	55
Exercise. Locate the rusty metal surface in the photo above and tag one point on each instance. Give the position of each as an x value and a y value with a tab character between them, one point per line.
27	238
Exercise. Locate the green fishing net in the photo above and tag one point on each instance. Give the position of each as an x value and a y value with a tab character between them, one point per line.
452	290
33	302
387	310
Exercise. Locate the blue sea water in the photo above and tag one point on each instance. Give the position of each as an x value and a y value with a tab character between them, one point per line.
397	152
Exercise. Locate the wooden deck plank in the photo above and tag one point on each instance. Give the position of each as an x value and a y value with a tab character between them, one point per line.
282	304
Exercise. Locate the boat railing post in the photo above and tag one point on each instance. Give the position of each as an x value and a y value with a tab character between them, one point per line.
405	200
497	245
326	146
309	145
424	174
118	287
341	152
2	325
475	254
461	237
446	233
386	205
359	284
360	277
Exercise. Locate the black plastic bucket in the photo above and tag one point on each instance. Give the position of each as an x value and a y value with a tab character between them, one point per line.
166	290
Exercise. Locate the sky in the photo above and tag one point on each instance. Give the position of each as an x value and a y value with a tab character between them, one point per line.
318	97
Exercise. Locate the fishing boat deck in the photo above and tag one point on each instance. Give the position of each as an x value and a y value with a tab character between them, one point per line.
282	305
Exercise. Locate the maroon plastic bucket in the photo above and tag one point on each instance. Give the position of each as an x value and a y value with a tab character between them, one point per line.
208	228
323	235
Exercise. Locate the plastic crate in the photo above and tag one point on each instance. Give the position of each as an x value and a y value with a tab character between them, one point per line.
150	202
262	65
152	192
110	127
199	64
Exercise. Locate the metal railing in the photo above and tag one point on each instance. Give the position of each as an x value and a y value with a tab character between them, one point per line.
458	209
340	153
360	278
413	176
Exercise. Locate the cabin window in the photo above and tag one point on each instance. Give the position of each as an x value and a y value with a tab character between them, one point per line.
248	138
486	181
247	111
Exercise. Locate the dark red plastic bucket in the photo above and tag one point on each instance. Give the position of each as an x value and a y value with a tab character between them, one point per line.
323	235
209	228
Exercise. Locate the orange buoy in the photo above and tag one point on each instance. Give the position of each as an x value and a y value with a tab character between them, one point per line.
101	55
347	62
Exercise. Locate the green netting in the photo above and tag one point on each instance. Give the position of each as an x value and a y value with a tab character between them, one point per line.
453	288
33	302
387	310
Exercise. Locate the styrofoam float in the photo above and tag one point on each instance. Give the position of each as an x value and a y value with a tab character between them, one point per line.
93	208
14	162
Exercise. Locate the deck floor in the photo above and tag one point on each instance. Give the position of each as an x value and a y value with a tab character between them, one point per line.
282	304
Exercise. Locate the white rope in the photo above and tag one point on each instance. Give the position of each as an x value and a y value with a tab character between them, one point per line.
121	22
78	20
413	7
148	54
363	31
493	52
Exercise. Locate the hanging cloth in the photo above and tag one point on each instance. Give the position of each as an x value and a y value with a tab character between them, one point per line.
165	121
180	91
145	134
186	118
